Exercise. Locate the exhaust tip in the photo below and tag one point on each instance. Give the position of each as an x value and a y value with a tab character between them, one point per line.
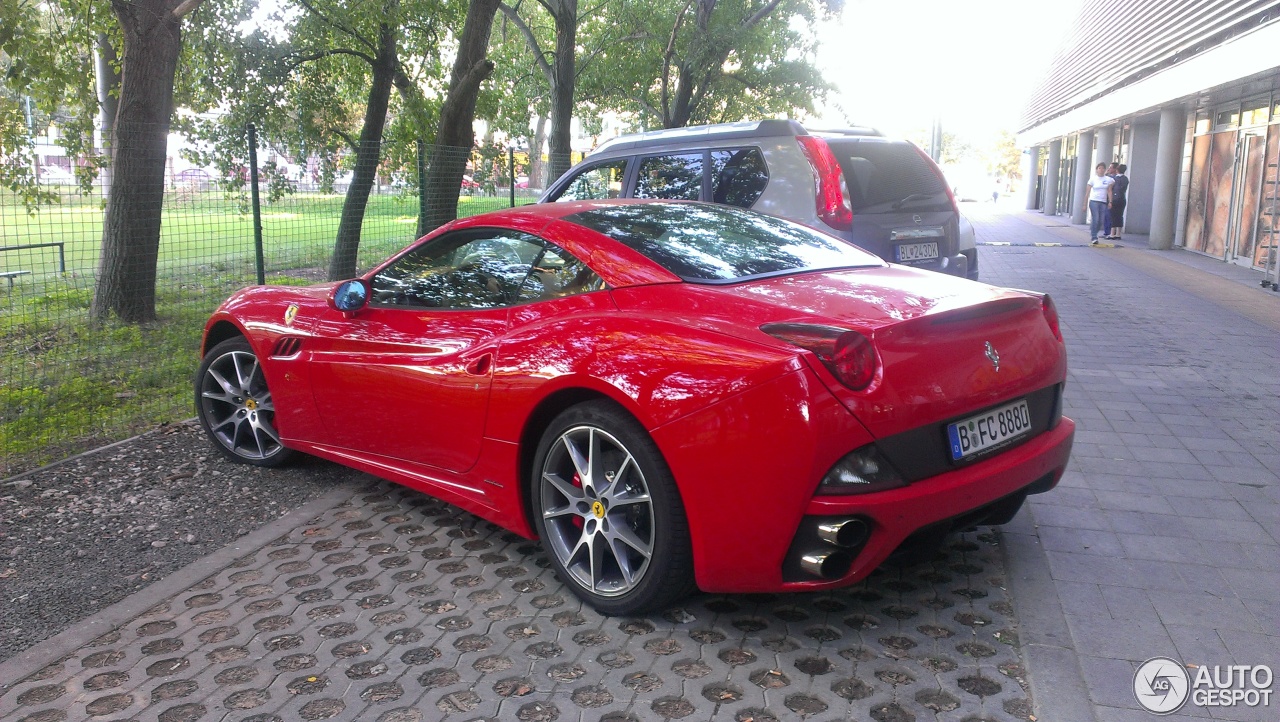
846	533
828	565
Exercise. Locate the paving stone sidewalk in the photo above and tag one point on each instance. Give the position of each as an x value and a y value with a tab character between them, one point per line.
1162	538
390	605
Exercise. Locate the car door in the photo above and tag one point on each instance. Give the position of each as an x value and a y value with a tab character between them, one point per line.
409	376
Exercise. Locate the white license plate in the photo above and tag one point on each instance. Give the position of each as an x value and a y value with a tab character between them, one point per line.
908	252
977	433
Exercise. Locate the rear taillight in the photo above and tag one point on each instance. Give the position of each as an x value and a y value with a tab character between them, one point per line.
832	198
951	196
848	355
1051	315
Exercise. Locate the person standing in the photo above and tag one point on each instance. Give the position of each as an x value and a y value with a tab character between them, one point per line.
1119	192
1099	200
1112	170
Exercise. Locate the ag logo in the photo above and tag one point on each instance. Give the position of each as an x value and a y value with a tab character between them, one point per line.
1161	685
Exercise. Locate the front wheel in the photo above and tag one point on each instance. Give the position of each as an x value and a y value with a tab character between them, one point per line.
609	513
235	406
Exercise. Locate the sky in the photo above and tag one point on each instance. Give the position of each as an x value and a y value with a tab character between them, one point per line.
898	62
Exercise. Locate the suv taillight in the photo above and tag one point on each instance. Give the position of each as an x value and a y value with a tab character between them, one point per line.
951	196
832	200
848	355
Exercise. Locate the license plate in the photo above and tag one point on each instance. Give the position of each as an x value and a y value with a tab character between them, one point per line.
978	433
908	252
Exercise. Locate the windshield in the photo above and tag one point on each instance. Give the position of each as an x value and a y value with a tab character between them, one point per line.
886	177
717	244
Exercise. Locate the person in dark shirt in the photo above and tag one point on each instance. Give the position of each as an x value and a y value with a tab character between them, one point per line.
1118	196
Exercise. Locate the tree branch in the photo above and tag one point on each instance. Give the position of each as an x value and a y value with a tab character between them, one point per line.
666	61
355	145
299	60
584	61
311	8
525	30
761	14
185	8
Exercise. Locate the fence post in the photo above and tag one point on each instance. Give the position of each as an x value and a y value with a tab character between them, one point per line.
257	207
422	189
511	167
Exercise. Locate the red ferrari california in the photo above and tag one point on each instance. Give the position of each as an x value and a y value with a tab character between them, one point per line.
668	395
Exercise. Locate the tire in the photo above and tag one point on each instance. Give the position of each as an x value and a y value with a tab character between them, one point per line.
621	546
235	407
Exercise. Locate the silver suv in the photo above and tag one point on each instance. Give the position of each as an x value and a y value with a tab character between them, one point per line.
884	195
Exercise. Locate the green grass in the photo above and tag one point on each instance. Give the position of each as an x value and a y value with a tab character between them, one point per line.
67	384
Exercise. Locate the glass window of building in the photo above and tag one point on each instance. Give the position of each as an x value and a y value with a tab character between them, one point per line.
1203	122
1255	112
1227	118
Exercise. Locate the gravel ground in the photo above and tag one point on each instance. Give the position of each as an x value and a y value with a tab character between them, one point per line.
80	536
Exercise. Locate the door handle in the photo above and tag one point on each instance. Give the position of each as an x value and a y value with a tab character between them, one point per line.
480	366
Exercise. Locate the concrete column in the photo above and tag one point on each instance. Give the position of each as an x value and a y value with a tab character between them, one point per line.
1105	147
1084	171
1164	184
1030	168
1052	169
1142	170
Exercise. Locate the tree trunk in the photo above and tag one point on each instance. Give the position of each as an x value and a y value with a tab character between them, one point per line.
562	86
454	137
537	169
131	224
347	245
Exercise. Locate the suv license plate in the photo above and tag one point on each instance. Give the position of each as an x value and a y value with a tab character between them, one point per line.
978	433
908	252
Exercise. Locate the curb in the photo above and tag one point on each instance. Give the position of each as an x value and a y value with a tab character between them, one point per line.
1027	245
1058	689
24	664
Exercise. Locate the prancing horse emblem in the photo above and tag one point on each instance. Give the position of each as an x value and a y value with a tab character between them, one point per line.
993	356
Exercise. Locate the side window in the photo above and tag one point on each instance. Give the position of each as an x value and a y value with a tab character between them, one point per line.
738	176
472	269
557	274
596	183
674	177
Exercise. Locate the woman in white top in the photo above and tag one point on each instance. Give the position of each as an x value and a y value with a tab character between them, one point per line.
1099	200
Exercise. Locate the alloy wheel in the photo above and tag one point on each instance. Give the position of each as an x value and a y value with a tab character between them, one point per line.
236	406
597	511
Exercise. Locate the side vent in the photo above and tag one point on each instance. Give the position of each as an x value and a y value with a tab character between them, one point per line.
287	346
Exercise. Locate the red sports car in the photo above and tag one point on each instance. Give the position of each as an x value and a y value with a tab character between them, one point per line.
667	394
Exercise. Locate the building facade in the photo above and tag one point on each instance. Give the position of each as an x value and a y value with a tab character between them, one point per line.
1187	94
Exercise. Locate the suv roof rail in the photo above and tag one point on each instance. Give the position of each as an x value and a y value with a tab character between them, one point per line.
722	131
854	130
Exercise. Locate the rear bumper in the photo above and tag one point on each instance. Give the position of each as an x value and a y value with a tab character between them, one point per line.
957	265
964	496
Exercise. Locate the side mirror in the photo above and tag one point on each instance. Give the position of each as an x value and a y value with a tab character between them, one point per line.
350	296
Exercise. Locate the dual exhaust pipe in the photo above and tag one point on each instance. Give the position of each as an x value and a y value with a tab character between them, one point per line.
846	535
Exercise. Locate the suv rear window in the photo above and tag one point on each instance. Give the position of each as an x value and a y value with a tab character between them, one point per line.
886	177
718	244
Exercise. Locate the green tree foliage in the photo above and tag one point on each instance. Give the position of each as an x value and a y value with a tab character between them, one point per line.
46	77
707	61
353	85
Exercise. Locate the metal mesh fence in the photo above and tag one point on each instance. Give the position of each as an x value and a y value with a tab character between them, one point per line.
70	381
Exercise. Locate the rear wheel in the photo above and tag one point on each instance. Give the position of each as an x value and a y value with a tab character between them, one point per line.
609	513
235	406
